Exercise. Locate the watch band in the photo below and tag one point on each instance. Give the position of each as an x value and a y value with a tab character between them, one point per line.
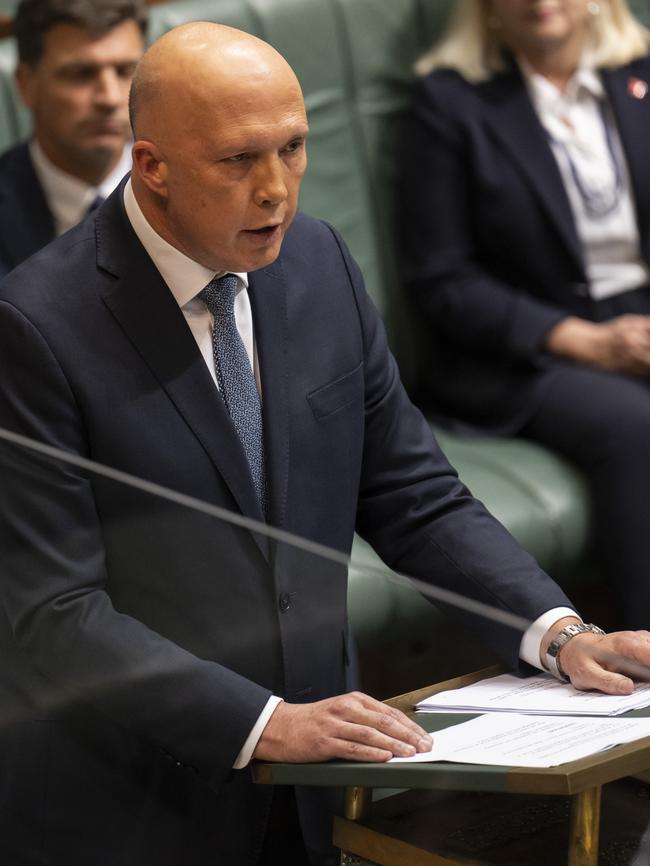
560	640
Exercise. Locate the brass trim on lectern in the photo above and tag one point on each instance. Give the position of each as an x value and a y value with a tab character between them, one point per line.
585	828
357	803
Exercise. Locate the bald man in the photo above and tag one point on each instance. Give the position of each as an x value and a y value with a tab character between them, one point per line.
200	334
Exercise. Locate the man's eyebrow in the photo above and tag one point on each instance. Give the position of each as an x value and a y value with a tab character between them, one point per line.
71	65
299	132
253	145
75	64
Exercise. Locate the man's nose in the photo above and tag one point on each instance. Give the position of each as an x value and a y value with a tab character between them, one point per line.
109	91
271	187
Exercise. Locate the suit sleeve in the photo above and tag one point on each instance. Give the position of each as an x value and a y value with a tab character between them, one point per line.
54	581
439	238
421	519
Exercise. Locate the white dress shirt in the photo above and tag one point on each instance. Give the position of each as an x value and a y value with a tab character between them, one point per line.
185	279
575	122
68	197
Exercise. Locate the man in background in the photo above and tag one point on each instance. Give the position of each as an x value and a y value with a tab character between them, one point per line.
76	61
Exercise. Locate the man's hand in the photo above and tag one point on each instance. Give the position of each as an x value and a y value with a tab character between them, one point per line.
621	345
593	661
353	727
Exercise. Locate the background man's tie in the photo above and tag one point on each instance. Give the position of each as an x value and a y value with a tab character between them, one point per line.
98	201
235	376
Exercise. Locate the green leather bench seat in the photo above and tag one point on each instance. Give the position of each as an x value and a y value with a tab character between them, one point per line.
354	59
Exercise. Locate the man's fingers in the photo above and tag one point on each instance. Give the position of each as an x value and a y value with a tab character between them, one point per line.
609	682
402	729
626	652
348	750
393	723
369	727
368	735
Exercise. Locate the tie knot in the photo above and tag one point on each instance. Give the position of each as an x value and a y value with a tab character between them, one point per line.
219	295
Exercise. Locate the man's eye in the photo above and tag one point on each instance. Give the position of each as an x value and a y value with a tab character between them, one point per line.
126	70
80	74
294	146
238	157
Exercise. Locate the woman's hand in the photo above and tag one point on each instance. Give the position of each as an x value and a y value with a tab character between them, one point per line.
621	345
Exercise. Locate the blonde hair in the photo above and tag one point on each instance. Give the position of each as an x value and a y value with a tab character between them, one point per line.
472	46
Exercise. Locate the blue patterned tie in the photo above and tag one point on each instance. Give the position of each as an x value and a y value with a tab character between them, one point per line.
235	376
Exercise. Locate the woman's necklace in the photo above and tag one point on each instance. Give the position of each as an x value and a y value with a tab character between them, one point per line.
599	200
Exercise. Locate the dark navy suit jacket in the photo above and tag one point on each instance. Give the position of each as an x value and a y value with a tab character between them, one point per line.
490	249
140	640
26	222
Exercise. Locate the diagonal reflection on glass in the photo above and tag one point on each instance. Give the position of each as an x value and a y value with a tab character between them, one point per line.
62	650
263	529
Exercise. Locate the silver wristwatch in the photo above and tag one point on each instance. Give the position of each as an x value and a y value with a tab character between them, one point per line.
562	638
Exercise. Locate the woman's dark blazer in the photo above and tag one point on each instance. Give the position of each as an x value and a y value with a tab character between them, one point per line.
489	245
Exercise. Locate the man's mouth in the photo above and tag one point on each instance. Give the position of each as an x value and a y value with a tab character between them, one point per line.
265	230
106	128
265	234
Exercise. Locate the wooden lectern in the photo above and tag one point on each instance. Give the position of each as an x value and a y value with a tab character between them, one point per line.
376	834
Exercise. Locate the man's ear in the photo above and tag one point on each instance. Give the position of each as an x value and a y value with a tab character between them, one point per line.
150	165
27	82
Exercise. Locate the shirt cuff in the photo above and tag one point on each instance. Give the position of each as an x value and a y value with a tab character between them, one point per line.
531	642
246	753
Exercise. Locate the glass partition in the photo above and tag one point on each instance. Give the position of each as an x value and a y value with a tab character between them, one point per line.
144	630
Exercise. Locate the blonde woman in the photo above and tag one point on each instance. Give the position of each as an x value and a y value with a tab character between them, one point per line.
525	220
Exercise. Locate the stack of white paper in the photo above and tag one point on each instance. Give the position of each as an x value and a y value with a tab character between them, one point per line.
521	741
537	695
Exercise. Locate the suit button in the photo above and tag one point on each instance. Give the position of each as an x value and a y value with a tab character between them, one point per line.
581	289
284	601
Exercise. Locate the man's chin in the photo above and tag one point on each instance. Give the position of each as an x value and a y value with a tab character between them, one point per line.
102	148
239	258
255	254
265	257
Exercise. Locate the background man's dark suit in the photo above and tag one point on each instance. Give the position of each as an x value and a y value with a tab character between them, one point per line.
167	630
26	222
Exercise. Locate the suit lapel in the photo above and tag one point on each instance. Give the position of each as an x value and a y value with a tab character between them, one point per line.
267	290
633	118
148	314
512	119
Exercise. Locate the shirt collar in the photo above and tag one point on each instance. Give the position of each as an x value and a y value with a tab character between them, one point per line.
184	277
548	98
69	197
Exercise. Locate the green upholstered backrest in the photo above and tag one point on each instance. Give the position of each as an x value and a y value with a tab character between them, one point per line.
14	118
